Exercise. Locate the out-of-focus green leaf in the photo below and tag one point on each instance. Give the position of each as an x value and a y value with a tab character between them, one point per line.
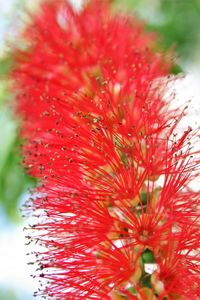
13	180
128	3
7	294
176	69
5	64
176	21
132	290
8	131
3	92
148	256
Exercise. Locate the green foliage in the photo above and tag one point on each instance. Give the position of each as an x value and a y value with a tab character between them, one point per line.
132	290
176	69
13	181
179	25
7	294
148	256
5	65
176	21
146	281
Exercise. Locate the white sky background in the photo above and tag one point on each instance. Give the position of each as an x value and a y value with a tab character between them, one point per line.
15	273
13	260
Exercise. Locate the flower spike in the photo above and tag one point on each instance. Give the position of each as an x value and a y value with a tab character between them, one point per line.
116	215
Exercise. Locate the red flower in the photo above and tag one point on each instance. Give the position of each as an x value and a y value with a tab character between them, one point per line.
99	136
177	274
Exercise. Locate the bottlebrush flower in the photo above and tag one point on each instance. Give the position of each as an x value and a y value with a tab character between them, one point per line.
114	196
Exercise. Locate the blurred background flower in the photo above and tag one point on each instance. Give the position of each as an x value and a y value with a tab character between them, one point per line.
177	23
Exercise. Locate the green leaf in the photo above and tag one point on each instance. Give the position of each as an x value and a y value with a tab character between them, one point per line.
146	281
13	180
143	198
132	290
176	69
5	64
8	132
148	256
